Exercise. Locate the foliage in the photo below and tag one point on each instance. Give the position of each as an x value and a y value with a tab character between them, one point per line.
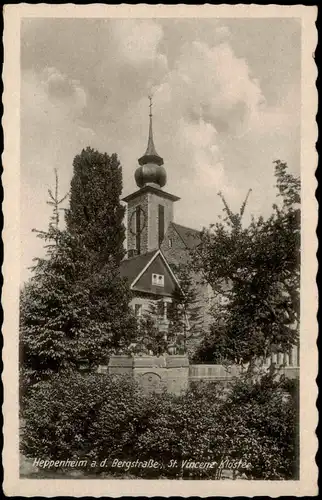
76	306
255	269
265	427
97	417
95	211
159	334
151	339
61	414
184	313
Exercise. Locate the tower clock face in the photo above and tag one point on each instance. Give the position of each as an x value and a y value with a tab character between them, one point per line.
137	221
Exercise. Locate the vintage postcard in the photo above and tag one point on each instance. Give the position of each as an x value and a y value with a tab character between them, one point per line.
160	218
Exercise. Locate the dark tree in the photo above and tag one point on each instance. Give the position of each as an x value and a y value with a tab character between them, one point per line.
76	306
95	211
256	271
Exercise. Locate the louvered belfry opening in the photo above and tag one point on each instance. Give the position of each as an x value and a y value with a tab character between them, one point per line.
161	223
138	229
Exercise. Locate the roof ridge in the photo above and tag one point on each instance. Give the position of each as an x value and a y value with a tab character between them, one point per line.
186	227
139	255
183	233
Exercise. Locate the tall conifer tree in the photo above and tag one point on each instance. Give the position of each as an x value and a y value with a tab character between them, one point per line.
95	213
76	305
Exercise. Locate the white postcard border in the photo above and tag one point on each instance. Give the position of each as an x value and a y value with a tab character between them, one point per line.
13	485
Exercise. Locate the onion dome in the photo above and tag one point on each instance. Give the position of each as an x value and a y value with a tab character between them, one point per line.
151	170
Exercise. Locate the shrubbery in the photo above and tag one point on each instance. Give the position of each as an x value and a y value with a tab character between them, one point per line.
261	420
97	417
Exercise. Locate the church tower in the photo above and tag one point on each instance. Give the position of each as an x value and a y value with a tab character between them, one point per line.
150	208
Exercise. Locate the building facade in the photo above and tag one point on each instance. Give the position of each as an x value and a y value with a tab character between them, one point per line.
156	245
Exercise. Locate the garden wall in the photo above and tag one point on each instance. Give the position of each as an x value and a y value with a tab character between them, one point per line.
154	373
173	372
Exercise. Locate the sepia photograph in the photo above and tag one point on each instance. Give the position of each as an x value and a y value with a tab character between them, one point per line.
163	231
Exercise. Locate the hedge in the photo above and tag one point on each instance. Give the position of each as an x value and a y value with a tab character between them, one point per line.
100	419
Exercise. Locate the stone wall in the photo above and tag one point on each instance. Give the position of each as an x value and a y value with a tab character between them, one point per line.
173	373
143	201
215	373
176	253
149	203
154	202
154	373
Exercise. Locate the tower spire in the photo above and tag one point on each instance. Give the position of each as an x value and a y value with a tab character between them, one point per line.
150	106
150	155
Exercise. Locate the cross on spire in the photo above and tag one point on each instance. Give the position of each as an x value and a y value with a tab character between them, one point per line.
150	105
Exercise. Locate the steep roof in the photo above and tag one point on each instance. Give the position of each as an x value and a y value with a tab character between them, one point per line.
150	189
134	269
130	268
189	236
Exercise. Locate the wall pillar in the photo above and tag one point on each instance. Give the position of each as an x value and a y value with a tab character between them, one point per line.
154	373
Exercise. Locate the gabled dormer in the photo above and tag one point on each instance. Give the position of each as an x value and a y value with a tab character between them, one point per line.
150	274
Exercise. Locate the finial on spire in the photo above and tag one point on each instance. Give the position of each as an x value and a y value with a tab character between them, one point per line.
151	172
150	105
150	156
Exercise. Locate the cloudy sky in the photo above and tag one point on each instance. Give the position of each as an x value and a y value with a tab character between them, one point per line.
226	104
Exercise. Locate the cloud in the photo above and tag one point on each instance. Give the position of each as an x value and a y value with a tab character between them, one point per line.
137	40
223	135
63	90
51	133
212	84
85	83
211	97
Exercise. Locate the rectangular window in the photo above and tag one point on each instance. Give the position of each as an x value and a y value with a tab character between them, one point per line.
161	224
138	310
138	229
158	279
162	309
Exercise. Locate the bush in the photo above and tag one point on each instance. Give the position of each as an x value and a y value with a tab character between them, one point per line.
178	429
102	418
261	419
61	414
